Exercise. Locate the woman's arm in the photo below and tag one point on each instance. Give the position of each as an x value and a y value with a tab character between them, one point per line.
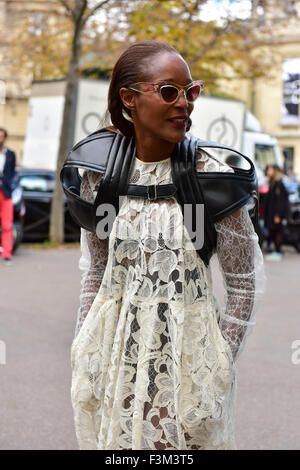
94	254
241	263
242	267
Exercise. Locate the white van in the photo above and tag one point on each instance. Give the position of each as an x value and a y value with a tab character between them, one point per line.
228	122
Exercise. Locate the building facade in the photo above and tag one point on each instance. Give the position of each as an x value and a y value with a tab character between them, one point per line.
275	99
15	88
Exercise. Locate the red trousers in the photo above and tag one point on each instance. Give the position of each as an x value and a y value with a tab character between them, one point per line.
6	221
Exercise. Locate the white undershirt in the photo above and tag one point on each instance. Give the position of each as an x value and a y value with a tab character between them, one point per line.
2	162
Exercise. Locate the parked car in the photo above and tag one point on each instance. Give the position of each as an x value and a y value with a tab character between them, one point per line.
38	186
291	230
19	212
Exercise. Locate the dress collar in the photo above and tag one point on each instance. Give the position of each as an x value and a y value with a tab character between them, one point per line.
152	163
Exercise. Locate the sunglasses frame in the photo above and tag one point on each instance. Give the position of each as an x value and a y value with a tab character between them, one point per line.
156	88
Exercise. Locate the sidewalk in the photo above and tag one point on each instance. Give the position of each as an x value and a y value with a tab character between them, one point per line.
38	303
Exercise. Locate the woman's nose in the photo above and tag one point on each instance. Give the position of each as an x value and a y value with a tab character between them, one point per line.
182	98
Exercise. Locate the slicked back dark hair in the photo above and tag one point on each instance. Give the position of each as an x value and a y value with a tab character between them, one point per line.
4	131
131	67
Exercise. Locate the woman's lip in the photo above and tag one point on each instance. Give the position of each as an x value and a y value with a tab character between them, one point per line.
180	116
178	124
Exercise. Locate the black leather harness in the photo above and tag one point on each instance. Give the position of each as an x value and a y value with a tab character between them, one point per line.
112	155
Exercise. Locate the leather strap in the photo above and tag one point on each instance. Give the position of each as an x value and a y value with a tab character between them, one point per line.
185	177
151	192
112	155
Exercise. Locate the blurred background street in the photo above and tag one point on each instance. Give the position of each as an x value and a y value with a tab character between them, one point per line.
37	326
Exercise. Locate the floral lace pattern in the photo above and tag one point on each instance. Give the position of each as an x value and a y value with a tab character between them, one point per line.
152	367
94	254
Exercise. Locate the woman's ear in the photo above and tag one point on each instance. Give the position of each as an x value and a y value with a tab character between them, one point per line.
127	97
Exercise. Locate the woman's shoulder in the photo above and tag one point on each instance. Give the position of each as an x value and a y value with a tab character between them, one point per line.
92	178
207	162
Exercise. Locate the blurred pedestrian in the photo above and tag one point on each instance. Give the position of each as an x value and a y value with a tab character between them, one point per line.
263	195
276	208
7	173
233	160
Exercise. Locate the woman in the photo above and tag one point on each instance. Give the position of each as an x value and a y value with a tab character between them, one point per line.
276	210
152	367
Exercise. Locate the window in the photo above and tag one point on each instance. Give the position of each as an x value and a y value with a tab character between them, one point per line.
288	153
39	183
264	155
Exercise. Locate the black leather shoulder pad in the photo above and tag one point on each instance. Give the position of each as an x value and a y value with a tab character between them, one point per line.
106	152
225	192
93	151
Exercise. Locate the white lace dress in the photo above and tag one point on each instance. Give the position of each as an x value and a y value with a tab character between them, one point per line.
153	358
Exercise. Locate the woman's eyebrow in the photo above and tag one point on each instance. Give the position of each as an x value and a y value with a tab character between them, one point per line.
166	80
170	80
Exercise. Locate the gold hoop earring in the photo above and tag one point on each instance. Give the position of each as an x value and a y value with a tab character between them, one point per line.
126	116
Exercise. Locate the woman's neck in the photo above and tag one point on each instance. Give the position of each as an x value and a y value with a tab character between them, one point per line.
149	150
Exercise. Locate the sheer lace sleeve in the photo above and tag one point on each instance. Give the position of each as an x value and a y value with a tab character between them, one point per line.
207	162
242	267
241	264
94	253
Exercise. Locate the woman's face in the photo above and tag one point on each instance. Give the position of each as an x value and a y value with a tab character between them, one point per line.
154	118
270	172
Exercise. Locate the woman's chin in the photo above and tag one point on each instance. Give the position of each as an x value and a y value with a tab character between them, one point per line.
178	139
176	136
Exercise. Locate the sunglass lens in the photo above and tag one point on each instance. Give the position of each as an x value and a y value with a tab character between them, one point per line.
193	92
169	93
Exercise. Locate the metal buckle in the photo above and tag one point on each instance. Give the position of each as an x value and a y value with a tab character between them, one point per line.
155	193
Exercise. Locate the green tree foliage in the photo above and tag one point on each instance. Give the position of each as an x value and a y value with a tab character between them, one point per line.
42	41
214	49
